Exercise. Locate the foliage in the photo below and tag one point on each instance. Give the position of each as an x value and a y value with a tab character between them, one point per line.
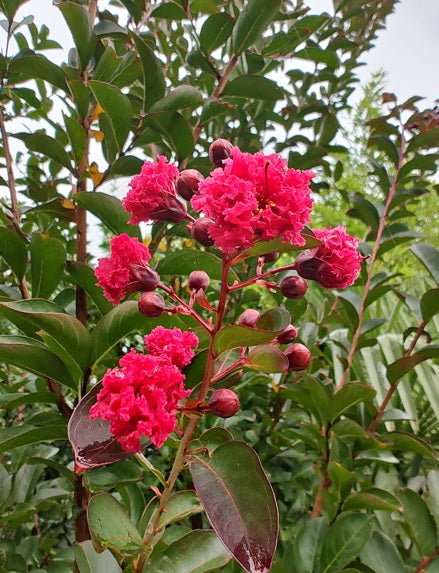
348	444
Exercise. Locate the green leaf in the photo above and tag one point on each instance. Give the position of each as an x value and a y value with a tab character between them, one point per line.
318	55
372	498
78	138
112	526
308	546
386	145
13	250
239	503
400	367
267	359
169	11
277	246
430	304
50	147
78	20
344	541
153	77
255	87
109	210
81	97
69	333
9	401
48	258
426	139
187	260
17	436
89	561
215	31
126	165
419	521
238	336
429	257
312	395
214	437
85	277
10	7
118	108
348	396
174	129
180	505
31	355
39	67
179	98
5	484
410	443
197	552
381	554
252	21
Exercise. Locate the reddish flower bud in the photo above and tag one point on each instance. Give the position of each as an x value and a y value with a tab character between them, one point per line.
287	335
152	304
270	257
298	356
223	403
249	318
187	183
293	287
198	280
147	279
199	231
219	150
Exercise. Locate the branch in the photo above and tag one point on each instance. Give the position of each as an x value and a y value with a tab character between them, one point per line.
427	560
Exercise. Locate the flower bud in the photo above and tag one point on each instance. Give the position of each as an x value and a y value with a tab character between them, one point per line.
187	183
270	257
199	231
298	356
198	280
249	318
287	335
172	209
223	403
219	150
147	279
151	304
293	287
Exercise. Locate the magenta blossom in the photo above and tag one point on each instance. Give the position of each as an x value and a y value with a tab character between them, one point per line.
152	195
335	264
254	198
115	273
174	344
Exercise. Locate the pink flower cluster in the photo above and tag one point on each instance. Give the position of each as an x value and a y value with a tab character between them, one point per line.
336	263
141	397
152	195
252	198
114	273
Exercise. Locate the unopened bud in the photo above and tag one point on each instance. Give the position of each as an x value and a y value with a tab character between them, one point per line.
298	356
249	318
219	150
293	287
187	183
223	403
199	231
270	257
198	280
151	304
147	279
287	335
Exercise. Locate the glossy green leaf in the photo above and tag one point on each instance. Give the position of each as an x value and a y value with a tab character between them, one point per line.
430	137
181	504
386	145
48	257
112	526
78	138
319	56
400	367
184	261
86	278
81	97
17	399
118	108
215	31
5	484
126	166
274	319
409	442
348	396
252	21
277	246
308	546
89	561
25	435
267	359
429	257
312	396
169	11
214	437
430	304
344	541
372	498
78	20
175	130
239	503
199	551
239	336
179	98
9	7
381	554
33	356
419	521
109	210
22	321
13	250
255	87
153	77
50	147
39	67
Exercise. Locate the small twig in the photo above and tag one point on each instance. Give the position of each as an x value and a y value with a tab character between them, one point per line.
427	560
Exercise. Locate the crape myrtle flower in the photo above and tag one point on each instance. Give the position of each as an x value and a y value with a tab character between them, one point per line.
117	274
254	198
141	396
335	264
152	195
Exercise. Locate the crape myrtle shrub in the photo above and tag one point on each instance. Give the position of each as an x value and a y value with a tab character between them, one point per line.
237	394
